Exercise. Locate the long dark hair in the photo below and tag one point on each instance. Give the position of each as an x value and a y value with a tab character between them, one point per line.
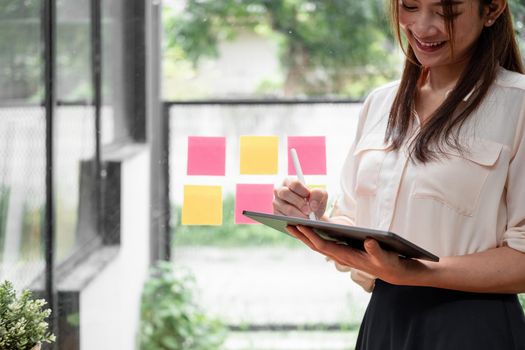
496	46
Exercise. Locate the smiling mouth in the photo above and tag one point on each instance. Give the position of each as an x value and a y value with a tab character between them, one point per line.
429	46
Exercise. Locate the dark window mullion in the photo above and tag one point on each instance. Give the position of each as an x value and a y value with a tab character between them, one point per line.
49	51
96	71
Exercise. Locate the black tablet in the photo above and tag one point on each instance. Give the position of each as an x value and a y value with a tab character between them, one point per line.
343	234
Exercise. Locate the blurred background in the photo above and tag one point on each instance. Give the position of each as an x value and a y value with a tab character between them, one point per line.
97	101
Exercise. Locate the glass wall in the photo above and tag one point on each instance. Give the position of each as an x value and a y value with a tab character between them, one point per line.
220	59
22	128
22	139
74	124
309	64
250	276
269	49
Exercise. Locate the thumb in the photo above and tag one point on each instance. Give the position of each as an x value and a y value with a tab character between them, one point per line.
317	200
372	247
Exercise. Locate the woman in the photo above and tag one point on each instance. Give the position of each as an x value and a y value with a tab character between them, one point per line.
439	158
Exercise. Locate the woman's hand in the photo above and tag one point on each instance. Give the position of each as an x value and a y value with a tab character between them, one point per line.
295	199
376	261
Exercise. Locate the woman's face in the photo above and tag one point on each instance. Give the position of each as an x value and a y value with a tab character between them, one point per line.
425	27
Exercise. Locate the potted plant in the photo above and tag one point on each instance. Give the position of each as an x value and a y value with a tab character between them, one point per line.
170	317
23	323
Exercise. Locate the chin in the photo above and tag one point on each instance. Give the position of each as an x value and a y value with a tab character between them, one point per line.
431	62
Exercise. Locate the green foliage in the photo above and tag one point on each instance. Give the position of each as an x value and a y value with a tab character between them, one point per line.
21	53
10	9
522	300
20	49
517	8
22	70
22	319
339	47
229	234
325	45
170	318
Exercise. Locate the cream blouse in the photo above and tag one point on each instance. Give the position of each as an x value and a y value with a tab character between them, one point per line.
461	204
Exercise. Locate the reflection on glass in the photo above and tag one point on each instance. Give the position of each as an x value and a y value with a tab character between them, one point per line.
74	125
22	144
20	51
276	49
73	51
22	194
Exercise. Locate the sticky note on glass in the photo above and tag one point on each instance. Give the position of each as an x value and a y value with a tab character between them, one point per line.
202	205
311	151
206	155
252	197
259	154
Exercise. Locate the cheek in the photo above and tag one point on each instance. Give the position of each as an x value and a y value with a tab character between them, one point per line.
403	26
403	19
467	29
465	38
406	22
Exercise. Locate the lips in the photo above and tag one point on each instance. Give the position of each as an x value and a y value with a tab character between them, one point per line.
428	46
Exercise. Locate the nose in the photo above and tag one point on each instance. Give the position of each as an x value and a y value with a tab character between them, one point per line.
425	25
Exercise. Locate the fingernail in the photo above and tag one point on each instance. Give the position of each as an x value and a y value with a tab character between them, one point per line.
314	205
306	209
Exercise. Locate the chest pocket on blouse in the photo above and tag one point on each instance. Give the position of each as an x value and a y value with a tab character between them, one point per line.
369	155
457	181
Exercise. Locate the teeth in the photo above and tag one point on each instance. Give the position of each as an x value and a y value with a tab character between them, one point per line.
437	43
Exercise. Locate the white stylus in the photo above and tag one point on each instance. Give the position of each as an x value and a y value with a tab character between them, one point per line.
300	176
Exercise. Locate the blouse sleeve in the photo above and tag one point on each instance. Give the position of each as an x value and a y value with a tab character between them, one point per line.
514	237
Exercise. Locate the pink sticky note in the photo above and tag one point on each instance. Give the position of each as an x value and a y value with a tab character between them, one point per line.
311	151
206	155
252	197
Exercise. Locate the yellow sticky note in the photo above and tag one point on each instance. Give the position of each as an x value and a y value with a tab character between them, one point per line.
202	205
323	187
259	154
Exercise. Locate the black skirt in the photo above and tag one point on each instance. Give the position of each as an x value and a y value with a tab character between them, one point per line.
423	318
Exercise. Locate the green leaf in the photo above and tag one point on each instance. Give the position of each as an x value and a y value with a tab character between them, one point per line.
22	319
170	318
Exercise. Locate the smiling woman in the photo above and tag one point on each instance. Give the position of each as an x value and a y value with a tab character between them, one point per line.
438	159
466	32
428	39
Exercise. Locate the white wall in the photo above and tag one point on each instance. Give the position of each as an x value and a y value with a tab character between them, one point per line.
110	304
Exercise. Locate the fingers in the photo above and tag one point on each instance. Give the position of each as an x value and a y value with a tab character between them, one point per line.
297	187
319	243
317	201
290	199
373	260
343	256
342	267
294	199
284	208
300	236
299	232
372	247
316	243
